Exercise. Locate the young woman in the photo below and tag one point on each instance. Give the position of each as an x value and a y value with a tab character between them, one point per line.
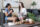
8	13
22	11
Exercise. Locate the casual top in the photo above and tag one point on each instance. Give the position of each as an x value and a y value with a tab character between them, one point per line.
6	10
22	13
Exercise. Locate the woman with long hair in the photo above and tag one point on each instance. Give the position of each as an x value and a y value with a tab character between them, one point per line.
22	11
8	13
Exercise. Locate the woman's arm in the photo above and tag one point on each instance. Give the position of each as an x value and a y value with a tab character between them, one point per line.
6	13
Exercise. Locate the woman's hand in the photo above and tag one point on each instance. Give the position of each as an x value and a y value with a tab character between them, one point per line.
10	11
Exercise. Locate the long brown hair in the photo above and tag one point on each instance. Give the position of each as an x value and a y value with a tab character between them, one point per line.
8	4
21	5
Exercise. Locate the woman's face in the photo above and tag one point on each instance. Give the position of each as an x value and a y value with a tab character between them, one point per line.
9	6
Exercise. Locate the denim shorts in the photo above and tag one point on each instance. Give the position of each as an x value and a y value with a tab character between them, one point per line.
6	18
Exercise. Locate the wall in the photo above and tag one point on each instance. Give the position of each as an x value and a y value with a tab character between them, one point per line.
14	4
0	5
37	4
27	3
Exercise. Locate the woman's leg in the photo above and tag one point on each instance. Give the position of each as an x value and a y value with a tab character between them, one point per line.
12	18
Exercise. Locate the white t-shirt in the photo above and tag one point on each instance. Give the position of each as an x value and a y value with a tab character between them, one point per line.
22	12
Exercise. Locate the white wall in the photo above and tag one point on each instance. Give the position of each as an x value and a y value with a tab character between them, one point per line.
38	4
0	5
27	3
14	4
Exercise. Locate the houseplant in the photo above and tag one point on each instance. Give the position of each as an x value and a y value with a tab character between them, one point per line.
33	4
39	19
31	16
